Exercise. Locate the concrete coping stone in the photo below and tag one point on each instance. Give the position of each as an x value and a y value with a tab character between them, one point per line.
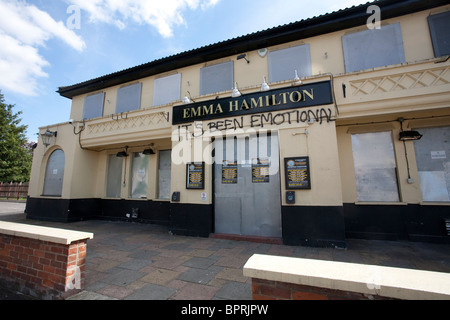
59	236
388	282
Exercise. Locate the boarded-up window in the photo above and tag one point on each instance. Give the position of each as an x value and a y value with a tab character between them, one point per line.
129	98
373	48
164	174
439	29
114	177
283	63
217	78
93	106
375	167
167	90
433	163
139	176
54	174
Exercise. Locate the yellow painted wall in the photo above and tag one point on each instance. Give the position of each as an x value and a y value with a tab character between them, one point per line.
328	145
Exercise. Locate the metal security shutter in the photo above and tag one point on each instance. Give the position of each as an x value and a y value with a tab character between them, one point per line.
216	78
247	198
373	48
283	63
167	90
93	106
440	35
129	98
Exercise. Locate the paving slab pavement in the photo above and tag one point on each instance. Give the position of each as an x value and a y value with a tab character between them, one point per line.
127	261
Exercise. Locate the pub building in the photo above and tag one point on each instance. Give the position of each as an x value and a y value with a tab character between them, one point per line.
311	133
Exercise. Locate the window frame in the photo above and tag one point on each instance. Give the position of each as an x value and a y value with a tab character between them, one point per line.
207	84
162	177
367	193
434	152
133	175
129	98
93	106
279	71
109	167
357	60
48	183
162	96
436	36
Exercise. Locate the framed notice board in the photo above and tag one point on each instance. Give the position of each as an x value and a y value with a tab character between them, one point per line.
229	172
297	173
195	175
260	170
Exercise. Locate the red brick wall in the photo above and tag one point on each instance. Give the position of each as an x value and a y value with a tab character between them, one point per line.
273	290
42	269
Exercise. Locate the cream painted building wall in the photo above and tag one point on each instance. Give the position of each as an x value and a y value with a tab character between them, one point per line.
326	55
372	101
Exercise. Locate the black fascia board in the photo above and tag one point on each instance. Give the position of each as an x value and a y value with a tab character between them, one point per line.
332	22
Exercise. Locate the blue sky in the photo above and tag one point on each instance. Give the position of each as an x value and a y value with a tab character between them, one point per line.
42	47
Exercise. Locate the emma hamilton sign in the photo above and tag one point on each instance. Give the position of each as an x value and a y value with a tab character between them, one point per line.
314	94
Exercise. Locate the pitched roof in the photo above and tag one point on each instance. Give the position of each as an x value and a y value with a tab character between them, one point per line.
330	22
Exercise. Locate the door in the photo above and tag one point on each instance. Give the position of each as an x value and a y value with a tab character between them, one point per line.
247	186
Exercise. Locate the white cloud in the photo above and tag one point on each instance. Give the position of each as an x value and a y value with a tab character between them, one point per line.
20	66
23	29
163	15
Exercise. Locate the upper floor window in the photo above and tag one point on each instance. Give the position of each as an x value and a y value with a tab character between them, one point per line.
217	78
167	89
439	29
129	98
93	106
283	63
373	48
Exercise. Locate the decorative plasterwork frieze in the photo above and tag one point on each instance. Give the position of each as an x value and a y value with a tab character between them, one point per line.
401	81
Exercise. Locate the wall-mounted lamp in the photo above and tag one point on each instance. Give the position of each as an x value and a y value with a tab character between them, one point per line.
47	137
408	135
236	93
149	151
122	154
265	86
243	56
297	80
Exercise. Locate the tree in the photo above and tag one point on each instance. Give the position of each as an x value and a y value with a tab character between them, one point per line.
15	157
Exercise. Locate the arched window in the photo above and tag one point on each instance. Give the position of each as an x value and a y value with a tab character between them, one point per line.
54	174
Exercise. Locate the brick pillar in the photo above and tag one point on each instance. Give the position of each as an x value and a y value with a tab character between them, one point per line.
42	269
76	266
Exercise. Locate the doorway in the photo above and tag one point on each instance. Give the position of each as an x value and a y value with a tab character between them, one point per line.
247	185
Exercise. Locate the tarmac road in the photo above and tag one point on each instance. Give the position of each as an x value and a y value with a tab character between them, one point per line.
11	209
